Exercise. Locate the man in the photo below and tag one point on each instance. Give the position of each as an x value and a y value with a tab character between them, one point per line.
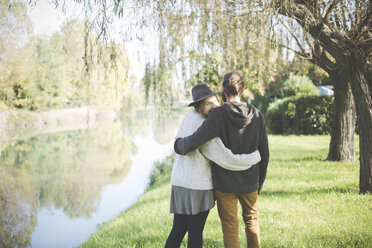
241	128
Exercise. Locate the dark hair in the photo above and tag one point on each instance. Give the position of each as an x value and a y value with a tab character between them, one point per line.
233	84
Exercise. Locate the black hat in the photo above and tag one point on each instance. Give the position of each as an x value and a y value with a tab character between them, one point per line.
200	92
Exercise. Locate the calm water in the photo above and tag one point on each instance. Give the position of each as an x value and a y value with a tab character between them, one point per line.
56	189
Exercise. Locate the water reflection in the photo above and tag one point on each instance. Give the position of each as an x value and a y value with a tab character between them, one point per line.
18	206
65	173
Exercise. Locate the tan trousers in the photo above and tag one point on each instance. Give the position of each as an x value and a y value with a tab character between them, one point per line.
227	204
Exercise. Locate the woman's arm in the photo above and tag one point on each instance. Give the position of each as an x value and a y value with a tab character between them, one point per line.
216	151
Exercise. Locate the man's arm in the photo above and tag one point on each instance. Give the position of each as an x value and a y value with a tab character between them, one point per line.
216	151
263	148
207	131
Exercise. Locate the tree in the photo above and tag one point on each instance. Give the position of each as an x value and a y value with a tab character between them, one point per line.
342	133
341	147
51	73
194	34
342	28
15	52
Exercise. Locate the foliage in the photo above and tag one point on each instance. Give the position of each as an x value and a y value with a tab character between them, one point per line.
160	93
64	84
210	72
15	51
42	73
262	102
286	83
161	169
299	85
300	115
197	41
306	202
302	66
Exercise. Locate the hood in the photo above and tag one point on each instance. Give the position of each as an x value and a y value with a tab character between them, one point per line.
240	113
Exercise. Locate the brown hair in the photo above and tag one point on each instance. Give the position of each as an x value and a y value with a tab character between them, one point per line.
233	84
197	106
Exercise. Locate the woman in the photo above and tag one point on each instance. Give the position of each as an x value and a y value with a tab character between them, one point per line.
192	188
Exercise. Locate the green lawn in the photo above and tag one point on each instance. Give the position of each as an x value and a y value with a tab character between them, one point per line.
306	202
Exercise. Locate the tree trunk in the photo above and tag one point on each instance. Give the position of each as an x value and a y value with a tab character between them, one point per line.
361	88
341	147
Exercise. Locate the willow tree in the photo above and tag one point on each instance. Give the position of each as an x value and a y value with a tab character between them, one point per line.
341	32
342	28
197	39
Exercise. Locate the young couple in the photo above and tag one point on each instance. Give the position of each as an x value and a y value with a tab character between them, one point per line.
221	154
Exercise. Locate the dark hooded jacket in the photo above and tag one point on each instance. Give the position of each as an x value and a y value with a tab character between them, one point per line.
241	128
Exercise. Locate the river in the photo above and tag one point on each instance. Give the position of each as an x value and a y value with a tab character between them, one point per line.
57	188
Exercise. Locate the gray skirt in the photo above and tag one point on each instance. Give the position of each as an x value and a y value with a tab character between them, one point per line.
190	201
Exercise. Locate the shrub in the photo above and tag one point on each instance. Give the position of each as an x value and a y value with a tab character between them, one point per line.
262	102
283	86
300	115
299	85
274	115
160	169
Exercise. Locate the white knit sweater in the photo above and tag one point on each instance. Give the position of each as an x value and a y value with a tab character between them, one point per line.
193	171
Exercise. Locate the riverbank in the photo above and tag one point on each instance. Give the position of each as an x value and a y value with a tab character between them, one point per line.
306	202
25	124
79	178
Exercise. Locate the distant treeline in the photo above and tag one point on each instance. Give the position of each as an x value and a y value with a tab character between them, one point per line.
70	68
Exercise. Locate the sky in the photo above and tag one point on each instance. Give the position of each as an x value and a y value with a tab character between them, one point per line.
47	18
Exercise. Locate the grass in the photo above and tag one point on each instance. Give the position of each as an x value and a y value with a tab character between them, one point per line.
306	202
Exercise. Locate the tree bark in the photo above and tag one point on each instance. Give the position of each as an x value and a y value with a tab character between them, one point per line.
361	88
341	147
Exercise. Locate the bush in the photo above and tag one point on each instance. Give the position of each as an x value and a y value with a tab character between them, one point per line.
300	115
284	86
299	85
262	102
161	169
